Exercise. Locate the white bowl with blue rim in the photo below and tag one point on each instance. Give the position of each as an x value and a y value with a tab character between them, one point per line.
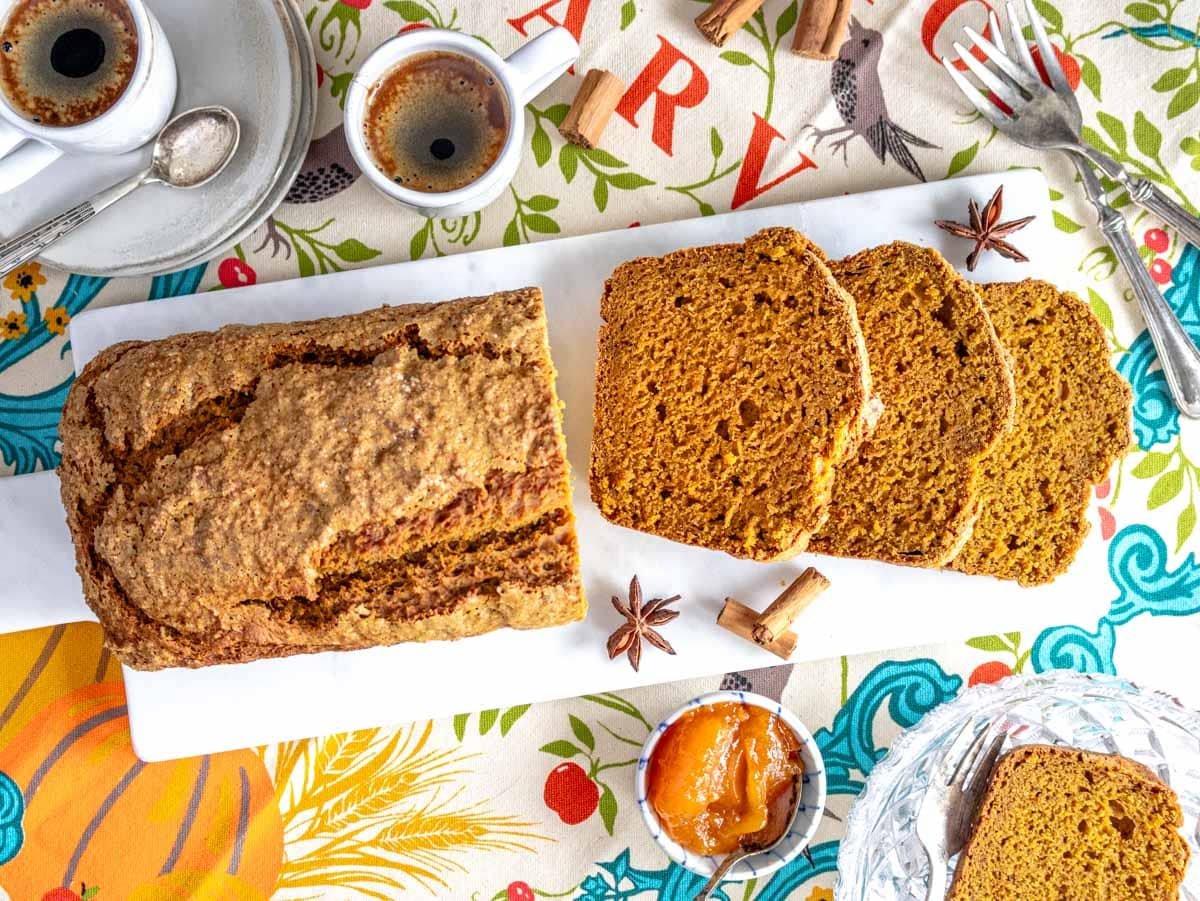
808	812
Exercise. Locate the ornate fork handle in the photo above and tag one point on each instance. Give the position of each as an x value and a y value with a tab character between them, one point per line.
1177	354
25	247
1147	195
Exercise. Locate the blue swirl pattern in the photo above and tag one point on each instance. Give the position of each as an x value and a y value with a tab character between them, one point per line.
12	811
1138	562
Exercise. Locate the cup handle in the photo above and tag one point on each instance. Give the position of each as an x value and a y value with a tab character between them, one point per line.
537	63
26	161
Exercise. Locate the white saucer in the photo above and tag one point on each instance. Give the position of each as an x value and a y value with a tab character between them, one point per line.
254	56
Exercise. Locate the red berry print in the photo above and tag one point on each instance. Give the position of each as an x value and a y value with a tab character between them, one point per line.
520	891
1157	240
1160	271
1108	523
570	793
236	273
1070	66
992	671
1103	489
320	75
61	894
357	4
414	26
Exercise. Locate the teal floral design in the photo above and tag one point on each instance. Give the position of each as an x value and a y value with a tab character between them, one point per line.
1155	419
1139	564
12	812
909	688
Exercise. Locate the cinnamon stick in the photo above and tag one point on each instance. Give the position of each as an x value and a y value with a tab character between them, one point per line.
723	18
821	28
598	96
771	630
778	617
740	620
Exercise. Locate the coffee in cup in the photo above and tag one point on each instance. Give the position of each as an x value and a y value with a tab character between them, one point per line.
436	122
66	62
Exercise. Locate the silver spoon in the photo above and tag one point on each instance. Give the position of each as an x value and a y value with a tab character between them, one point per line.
190	151
751	845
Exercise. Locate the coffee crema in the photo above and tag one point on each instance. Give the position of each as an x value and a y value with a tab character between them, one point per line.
436	122
66	62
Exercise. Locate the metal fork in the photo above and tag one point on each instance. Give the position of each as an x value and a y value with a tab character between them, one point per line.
1050	118
948	808
1056	114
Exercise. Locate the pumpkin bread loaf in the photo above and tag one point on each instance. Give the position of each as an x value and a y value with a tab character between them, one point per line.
910	493
730	382
396	475
1072	422
1060	824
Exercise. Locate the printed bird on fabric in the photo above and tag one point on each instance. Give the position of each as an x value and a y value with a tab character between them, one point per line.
858	95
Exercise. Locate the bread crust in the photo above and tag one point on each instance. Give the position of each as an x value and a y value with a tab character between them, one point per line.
396	475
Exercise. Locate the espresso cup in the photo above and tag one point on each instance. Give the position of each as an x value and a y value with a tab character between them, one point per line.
519	78
130	121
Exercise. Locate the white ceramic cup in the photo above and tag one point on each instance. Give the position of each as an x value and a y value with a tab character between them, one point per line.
26	148
522	76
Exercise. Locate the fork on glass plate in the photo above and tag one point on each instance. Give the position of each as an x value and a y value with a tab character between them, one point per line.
1024	108
955	790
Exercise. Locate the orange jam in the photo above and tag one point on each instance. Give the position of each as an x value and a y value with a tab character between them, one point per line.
723	774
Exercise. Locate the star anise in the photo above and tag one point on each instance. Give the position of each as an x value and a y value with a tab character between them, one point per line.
987	231
639	623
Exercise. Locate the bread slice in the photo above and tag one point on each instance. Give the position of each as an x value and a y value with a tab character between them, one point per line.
910	494
395	475
730	381
1060	824
1072	421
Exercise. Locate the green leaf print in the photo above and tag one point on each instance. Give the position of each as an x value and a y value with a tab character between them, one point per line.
718	146
629	181
962	159
409	11
784	23
558	112
600	194
1115	129
512	234
1184	100
1169	485
416	245
582	732
561	748
487	719
568	162
460	725
353	250
737	58
1151	465
1143	12
304	263
540	144
1065	223
1089	74
989	643
628	13
1101	308
603	158
608	808
1049	14
1146	136
1171	79
510	717
541	203
544	225
1184	525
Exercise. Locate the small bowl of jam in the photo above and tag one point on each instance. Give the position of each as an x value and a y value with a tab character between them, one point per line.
721	773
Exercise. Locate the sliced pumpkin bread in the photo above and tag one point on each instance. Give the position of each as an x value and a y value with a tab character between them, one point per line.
910	493
730	381
1061	824
1072	422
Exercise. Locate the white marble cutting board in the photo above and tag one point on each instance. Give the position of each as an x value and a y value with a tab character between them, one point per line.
180	712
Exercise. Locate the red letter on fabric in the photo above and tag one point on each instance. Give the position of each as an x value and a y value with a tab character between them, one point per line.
577	11
647	83
761	139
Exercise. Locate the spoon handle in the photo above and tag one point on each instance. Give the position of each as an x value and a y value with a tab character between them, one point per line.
24	247
719	873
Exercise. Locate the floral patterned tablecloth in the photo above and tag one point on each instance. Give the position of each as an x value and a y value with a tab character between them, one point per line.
523	803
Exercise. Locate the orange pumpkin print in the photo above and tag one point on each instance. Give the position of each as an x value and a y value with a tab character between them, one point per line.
202	827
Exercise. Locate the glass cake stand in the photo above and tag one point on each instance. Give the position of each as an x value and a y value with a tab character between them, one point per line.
880	858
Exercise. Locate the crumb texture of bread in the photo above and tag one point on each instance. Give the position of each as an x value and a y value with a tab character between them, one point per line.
909	495
1072	422
1061	824
395	475
730	381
